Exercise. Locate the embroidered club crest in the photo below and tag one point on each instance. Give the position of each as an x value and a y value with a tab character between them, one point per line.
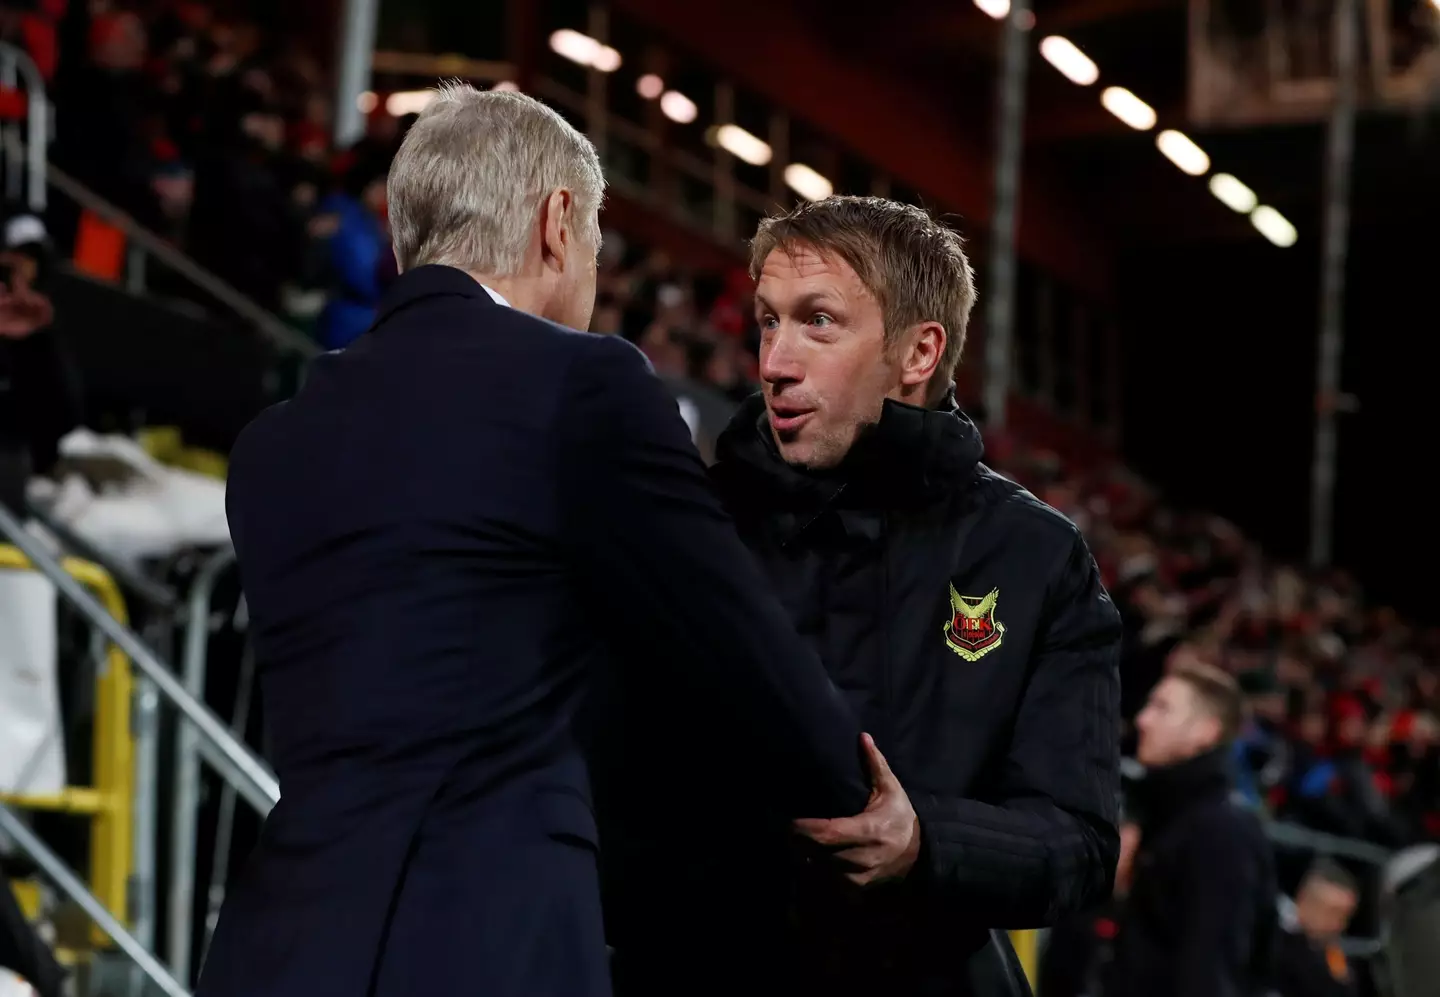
973	630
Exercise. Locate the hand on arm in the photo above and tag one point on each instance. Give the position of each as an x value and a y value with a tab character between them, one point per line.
882	842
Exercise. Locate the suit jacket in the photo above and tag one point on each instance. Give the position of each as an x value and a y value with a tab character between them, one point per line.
455	528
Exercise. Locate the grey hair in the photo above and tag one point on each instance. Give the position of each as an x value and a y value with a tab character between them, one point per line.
469	178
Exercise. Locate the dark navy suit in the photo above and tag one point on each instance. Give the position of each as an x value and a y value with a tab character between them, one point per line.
444	538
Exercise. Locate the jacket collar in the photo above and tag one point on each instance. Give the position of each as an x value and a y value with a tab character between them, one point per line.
910	455
1167	790
429	281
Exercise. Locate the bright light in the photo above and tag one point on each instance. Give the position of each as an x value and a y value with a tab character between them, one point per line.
607	60
678	107
1273	226
367	102
1233	194
740	144
1184	153
807	183
1075	65
1128	108
585	50
650	86
507	86
397	105
995	8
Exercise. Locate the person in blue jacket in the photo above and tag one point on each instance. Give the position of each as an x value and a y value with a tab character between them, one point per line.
356	250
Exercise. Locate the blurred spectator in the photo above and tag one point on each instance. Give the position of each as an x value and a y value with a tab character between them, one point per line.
1200	918
356	251
1308	958
37	402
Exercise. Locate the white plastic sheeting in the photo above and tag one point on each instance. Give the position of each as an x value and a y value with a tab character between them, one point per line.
155	511
32	752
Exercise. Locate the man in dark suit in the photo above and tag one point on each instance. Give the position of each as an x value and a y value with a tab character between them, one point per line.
441	539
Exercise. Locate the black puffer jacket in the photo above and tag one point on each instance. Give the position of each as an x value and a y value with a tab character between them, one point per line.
966	624
1200	920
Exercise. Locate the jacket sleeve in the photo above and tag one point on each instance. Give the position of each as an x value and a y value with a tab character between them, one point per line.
1045	843
661	555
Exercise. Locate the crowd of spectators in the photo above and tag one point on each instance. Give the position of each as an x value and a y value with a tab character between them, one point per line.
219	138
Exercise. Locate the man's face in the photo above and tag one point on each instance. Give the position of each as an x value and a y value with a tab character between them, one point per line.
1174	725
823	360
576	295
1324	909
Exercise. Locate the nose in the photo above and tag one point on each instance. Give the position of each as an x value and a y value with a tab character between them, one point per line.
779	359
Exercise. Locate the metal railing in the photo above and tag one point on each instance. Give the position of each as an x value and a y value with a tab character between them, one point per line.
117	855
25	162
109	801
269	326
235	762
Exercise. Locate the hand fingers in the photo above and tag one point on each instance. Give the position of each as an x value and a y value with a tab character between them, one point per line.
879	767
842	831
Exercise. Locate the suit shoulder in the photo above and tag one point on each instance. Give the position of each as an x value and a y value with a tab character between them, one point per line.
256	431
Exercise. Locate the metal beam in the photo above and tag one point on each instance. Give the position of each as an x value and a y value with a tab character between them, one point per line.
1009	142
1339	156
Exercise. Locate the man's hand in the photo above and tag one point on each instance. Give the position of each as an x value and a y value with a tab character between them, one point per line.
882	841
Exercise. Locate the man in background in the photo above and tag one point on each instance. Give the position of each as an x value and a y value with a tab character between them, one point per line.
38	400
1200	918
1308	959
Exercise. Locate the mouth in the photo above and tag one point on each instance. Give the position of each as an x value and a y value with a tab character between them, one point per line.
787	421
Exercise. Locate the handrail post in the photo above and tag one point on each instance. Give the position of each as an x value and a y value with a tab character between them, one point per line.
253	779
187	769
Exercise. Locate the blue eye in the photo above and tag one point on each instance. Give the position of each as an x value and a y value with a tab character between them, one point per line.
822	320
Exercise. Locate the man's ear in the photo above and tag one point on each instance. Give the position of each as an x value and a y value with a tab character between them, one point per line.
557	217
926	345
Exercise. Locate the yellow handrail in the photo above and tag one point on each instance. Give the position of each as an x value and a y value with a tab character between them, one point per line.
110	802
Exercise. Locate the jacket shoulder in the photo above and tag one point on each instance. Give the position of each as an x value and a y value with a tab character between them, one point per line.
1022	516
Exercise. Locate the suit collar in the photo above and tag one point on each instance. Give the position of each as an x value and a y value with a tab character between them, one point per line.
430	281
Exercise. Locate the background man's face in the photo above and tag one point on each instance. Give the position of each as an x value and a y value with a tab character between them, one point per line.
823	360
1324	909
1173	726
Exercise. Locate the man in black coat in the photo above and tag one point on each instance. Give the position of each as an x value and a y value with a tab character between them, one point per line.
962	618
441	539
39	403
1201	916
1308	959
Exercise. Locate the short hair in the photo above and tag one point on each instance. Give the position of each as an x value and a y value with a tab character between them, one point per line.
1218	693
912	263
1326	870
473	171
